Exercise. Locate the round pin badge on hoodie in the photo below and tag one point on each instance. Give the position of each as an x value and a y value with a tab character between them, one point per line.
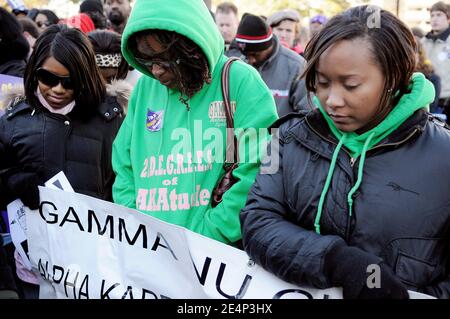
154	120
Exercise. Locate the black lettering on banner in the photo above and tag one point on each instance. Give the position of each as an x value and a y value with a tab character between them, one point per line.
76	220
41	212
42	271
61	269
129	290
281	293
86	292
165	297
70	284
145	292
105	295
242	290
109	221
156	244
122	227
206	265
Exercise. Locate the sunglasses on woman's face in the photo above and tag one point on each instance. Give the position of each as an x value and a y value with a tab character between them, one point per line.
41	24
150	62
50	79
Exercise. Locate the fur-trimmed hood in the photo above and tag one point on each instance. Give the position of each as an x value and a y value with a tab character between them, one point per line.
121	89
117	88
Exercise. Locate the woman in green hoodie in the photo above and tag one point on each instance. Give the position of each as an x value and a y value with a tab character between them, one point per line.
169	152
355	202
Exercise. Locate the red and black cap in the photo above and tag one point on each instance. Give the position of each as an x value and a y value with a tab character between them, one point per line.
253	33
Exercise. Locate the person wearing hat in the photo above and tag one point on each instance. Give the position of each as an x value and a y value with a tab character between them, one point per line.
180	53
279	67
316	24
18	7
437	48
284	24
82	22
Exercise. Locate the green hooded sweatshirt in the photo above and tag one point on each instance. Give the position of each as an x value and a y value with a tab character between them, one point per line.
168	157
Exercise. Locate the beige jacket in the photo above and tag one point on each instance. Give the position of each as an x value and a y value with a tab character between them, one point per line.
438	51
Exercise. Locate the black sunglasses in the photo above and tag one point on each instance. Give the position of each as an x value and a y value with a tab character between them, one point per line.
150	62
50	79
40	24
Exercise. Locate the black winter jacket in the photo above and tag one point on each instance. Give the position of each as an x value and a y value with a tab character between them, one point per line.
39	141
14	68
401	211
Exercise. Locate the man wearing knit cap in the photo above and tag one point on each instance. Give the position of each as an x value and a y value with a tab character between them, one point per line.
437	47
279	67
284	24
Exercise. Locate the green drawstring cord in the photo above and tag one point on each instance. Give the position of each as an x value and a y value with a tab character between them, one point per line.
330	175
327	183
360	175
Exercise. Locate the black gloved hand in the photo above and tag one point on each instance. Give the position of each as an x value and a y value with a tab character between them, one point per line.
347	268
24	185
390	286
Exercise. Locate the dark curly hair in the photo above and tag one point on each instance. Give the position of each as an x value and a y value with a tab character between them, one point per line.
193	70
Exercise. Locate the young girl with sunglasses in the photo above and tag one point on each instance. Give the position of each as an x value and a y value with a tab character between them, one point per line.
65	122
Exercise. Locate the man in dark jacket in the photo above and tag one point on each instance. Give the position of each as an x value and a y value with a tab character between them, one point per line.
279	67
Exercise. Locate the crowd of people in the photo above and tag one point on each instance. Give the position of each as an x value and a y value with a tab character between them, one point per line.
352	117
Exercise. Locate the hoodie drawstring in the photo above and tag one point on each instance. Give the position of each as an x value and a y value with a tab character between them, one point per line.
360	175
330	175
327	183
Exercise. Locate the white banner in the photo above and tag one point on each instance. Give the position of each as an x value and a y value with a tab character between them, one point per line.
85	248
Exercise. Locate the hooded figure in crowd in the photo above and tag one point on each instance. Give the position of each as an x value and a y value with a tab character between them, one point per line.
355	187
170	151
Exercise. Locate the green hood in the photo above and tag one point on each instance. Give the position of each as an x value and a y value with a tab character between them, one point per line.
181	16
421	94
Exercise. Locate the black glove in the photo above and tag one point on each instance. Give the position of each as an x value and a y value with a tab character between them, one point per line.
24	185
347	268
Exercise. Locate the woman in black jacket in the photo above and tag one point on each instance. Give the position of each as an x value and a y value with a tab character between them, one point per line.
354	190
65	122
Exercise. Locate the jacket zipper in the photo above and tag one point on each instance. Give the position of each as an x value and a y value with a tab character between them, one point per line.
321	136
397	143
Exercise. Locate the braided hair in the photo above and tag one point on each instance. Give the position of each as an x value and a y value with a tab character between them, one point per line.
191	70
